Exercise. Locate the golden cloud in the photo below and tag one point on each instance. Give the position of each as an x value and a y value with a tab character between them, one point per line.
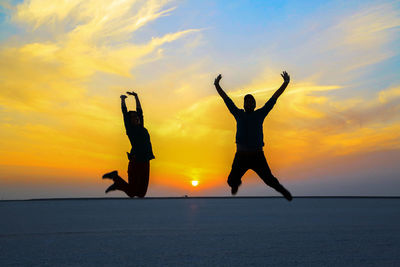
49	99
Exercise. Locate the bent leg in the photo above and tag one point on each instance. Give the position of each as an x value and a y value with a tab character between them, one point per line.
119	184
262	169
239	168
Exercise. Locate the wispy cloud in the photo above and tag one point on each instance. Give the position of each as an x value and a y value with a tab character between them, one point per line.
336	47
64	68
49	93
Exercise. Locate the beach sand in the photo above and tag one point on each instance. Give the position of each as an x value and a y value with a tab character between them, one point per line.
201	232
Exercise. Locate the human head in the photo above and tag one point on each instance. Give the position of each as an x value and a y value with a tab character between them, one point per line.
249	103
134	117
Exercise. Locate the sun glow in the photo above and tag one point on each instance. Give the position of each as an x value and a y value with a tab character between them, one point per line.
73	59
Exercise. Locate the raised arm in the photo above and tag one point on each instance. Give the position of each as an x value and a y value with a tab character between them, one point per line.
286	80
138	106
271	102
219	88
124	111
123	105
228	102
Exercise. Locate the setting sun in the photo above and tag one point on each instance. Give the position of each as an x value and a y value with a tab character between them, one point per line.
74	59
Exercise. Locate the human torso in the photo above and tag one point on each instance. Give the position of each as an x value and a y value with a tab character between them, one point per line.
140	141
249	131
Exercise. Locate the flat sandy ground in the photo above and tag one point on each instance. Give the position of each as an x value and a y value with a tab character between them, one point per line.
201	232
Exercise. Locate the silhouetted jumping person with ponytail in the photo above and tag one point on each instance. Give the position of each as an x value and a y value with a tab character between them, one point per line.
140	155
249	138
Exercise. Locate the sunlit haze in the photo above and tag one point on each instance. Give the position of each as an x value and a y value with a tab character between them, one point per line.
64	64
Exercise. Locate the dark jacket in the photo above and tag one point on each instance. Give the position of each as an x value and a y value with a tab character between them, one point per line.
138	136
249	125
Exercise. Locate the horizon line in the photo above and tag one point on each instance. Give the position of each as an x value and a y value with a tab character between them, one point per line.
188	197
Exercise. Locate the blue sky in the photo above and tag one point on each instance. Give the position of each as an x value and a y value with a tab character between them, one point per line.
63	61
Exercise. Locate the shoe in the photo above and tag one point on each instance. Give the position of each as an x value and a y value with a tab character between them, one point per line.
112	187
110	175
234	190
234	187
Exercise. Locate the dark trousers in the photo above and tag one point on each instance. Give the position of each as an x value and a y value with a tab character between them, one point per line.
138	178
256	161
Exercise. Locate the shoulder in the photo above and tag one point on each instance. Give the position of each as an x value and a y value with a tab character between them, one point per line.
241	111
240	115
259	111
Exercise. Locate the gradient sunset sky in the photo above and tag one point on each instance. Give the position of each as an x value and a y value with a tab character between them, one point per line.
64	64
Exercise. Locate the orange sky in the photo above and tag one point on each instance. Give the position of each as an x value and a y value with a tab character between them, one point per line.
64	66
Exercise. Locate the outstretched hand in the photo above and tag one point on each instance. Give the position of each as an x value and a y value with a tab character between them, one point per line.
132	93
285	76
216	81
123	97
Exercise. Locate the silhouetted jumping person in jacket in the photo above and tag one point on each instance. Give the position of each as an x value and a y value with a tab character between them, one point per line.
249	138
140	155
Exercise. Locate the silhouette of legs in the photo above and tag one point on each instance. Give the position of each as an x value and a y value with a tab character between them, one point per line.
256	161
138	177
239	168
119	184
260	166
